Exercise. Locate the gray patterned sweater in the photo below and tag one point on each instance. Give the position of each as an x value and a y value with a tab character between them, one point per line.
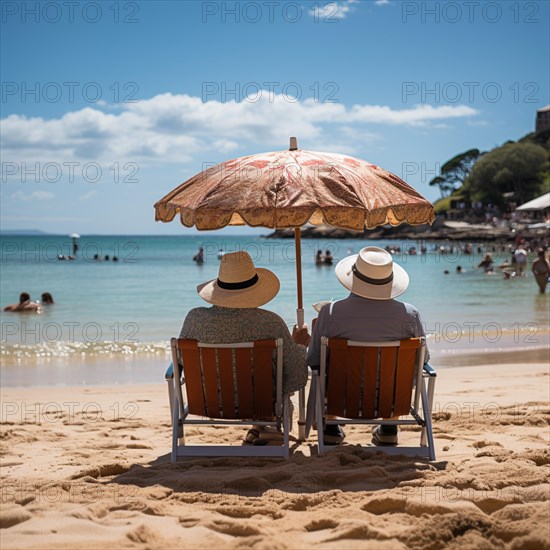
224	325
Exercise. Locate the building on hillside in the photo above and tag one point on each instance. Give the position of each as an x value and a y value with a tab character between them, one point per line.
537	209
543	119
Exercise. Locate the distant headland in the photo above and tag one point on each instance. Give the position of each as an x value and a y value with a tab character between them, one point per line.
24	232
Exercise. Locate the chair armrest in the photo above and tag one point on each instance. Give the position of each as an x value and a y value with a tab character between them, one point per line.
169	372
429	370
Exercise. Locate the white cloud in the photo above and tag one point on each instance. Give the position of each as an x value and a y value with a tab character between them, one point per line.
225	145
87	196
178	128
381	2
418	115
34	196
332	11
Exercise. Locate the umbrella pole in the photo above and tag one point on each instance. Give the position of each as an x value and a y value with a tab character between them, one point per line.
300	309
300	323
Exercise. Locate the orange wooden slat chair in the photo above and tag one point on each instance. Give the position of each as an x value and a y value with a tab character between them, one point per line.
368	382
227	384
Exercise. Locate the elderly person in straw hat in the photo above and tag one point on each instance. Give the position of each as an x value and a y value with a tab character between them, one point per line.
235	316
369	313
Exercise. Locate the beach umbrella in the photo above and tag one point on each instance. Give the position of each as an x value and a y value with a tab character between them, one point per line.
287	189
74	237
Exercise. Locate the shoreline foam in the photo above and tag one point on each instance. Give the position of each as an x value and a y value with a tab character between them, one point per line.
97	363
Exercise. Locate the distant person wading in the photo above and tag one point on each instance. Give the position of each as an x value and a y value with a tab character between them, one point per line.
541	270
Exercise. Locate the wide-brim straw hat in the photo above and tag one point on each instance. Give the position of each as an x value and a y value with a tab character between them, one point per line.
372	274
240	284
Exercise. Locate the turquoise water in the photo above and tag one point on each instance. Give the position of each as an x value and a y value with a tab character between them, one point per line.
133	306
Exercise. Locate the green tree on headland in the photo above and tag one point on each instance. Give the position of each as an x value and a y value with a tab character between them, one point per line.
455	171
512	172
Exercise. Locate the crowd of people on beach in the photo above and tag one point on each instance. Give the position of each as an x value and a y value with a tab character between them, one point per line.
515	263
320	258
97	258
515	257
26	305
516	266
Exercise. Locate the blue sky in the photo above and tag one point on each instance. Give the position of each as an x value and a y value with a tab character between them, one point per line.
106	106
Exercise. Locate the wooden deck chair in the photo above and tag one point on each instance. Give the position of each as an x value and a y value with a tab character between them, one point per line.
369	382
227	384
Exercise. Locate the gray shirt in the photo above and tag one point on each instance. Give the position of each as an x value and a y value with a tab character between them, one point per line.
364	320
225	325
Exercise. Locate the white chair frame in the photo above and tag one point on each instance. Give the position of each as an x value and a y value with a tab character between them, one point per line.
422	394
181	417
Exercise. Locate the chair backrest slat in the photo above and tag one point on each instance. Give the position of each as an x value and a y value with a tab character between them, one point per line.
245	395
354	382
405	375
336	383
263	378
212	371
227	391
371	380
210	380
189	353
388	361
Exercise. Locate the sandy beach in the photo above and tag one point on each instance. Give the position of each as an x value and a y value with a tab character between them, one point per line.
214	171
88	467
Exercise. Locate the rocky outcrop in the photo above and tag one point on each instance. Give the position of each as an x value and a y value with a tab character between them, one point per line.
441	229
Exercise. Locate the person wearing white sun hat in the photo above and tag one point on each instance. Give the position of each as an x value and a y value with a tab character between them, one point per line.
235	316
369	313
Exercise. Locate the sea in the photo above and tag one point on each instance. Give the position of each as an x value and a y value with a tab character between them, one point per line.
112	320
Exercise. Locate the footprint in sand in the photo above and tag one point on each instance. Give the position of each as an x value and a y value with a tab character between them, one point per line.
189	522
484	443
143	534
303	503
102	471
248	512
13	516
321	524
384	505
234	529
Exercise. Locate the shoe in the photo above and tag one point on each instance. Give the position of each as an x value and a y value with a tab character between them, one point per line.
269	435
251	436
258	436
333	434
384	435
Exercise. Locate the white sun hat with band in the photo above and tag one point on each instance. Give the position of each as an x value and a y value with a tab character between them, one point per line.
240	284
372	274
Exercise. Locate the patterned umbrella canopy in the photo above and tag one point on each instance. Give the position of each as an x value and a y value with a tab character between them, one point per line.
290	188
